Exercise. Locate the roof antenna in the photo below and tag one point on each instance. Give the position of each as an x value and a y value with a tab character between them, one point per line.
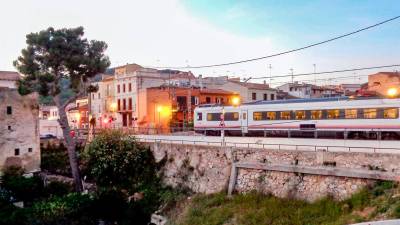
245	80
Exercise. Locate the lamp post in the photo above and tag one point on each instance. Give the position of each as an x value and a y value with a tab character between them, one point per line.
159	109
222	124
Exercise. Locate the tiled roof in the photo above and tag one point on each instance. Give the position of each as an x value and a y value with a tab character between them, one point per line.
9	75
252	85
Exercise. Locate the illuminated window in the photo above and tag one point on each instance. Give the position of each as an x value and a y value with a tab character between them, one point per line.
213	116
285	115
316	114
391	113
300	115
231	116
257	115
271	115
333	114
370	113
350	113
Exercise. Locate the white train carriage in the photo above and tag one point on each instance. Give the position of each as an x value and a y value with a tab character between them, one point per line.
327	118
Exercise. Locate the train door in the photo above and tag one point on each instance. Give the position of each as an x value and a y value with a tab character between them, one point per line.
244	119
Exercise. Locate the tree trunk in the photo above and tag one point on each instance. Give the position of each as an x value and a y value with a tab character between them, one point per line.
71	147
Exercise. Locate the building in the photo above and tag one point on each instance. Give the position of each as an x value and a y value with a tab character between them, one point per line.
248	91
305	90
19	133
103	103
48	121
349	89
171	106
9	78
78	114
383	81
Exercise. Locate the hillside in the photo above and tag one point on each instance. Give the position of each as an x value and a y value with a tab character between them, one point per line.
373	203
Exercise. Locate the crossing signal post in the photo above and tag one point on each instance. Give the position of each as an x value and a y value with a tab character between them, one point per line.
222	125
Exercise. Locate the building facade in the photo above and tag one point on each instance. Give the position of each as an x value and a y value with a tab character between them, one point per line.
8	79
248	91
48	121
19	133
383	81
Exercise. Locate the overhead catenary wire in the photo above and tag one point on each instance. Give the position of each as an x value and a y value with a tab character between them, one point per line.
284	52
328	72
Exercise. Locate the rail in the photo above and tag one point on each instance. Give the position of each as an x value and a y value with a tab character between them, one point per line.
276	146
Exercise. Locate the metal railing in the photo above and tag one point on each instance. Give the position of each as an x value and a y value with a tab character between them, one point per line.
276	146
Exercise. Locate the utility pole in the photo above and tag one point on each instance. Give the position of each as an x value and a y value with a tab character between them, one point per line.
291	71
270	75
315	75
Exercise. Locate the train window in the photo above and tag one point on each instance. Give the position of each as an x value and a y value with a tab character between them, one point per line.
257	115
199	116
333	114
244	116
316	114
271	115
285	115
370	113
231	116
390	113
300	115
350	113
213	116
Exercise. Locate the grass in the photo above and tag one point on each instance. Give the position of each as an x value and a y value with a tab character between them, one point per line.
254	208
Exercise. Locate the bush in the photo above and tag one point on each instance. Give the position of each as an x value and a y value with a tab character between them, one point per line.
57	188
22	188
117	160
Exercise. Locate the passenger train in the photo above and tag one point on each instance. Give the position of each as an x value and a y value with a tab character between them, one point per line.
315	118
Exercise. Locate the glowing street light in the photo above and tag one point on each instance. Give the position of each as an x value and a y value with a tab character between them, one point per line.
235	101
159	108
392	92
113	107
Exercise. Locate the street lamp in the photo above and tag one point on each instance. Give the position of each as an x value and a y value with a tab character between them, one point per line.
392	92
235	101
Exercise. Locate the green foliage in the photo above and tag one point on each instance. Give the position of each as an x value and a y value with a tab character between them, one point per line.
54	54
54	159
117	160
57	188
22	188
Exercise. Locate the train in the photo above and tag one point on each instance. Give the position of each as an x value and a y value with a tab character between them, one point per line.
339	118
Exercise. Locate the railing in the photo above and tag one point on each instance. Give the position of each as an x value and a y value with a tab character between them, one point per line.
265	146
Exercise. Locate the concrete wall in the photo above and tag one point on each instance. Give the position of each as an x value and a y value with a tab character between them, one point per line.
304	175
19	130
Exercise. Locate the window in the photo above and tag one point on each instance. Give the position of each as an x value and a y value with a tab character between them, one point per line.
196	100
333	114
93	96
16	151
9	127
199	116
350	113
123	88
291	88
285	115
119	104
208	100
231	116
218	100
253	96
244	116
29	149
9	110
118	88
265	97
370	113
271	115
257	116
300	115
124	104
316	114
130	103
129	87
391	113
213	116
272	96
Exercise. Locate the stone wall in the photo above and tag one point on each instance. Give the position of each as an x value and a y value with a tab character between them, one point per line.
207	169
19	130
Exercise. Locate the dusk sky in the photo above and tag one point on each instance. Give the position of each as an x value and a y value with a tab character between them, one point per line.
180	33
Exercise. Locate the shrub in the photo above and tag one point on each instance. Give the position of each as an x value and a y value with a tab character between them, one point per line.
57	188
117	160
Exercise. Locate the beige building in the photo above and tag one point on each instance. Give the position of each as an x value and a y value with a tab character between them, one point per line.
8	79
19	132
248	91
48	121
383	81
103	104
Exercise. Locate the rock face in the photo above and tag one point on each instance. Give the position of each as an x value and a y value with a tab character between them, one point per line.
19	130
207	169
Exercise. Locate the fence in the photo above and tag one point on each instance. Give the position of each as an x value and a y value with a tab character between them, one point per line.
280	146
